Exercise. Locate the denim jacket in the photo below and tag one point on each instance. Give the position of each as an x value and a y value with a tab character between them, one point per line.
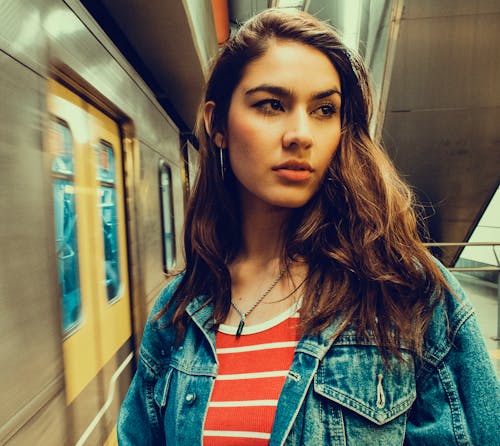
336	393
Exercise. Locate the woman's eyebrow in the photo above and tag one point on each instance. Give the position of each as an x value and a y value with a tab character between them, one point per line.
326	93
273	89
285	92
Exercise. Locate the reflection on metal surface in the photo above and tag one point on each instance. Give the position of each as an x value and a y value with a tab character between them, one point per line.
61	22
289	5
29	32
352	23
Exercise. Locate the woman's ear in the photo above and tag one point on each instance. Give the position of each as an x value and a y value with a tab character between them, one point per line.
208	115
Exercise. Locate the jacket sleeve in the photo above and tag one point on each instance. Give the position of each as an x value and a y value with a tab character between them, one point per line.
140	421
458	393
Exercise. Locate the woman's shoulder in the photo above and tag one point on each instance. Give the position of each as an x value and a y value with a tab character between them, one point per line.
451	309
165	296
453	297
158	335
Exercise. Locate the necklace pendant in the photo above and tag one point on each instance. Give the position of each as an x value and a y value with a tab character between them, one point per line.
259	300
240	328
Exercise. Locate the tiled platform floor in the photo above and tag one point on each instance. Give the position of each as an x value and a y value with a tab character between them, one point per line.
484	297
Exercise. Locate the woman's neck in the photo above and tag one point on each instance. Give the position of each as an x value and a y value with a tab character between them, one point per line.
262	234
257	273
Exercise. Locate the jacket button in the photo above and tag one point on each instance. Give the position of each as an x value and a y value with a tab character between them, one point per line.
190	397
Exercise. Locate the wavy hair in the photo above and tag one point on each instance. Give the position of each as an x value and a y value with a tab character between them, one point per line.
358	234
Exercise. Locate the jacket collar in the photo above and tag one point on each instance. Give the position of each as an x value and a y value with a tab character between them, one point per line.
316	346
202	315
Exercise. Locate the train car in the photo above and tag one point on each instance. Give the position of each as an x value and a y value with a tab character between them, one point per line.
94	178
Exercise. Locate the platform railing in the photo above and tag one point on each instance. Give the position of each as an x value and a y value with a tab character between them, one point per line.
476	269
468	244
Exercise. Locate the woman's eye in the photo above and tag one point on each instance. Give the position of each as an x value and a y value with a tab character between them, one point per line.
326	110
269	105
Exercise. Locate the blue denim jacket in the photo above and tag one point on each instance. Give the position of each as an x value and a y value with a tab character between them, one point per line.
336	393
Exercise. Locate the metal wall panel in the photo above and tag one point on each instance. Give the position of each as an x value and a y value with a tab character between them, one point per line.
433	8
447	62
22	31
48	427
441	125
30	326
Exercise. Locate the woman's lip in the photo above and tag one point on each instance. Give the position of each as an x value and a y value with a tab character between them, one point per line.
296	165
293	174
294	170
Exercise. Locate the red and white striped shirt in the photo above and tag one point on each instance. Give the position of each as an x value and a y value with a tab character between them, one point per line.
252	371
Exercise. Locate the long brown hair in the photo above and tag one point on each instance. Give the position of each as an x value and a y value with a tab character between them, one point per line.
358	234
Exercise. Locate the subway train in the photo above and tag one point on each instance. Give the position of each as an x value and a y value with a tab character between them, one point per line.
94	179
95	172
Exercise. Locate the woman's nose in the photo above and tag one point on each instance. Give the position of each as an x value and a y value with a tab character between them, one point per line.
298	131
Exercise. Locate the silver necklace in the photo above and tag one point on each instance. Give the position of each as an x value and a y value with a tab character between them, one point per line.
244	314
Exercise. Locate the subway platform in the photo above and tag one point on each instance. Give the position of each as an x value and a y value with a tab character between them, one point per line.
484	297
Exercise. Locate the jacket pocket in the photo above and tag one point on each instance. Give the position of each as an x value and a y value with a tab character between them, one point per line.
355	377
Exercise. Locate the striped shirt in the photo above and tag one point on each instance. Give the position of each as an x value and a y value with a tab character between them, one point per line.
252	371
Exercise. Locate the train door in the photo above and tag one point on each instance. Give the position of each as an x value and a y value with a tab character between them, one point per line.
89	217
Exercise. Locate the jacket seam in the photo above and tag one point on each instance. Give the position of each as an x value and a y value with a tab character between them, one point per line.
152	365
461	319
364	410
297	409
435	357
151	410
458	422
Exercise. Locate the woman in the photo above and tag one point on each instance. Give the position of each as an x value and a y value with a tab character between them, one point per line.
309	311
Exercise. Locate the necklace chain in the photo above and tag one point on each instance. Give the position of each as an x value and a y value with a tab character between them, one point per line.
244	314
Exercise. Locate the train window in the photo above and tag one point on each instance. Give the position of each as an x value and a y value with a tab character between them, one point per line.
106	175
61	146
105	163
167	216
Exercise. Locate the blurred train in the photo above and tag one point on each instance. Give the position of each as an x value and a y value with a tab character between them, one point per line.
94	178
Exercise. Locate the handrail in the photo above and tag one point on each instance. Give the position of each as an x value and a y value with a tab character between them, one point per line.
462	244
484	268
466	244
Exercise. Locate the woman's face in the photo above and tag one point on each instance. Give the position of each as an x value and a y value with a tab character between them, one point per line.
283	125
